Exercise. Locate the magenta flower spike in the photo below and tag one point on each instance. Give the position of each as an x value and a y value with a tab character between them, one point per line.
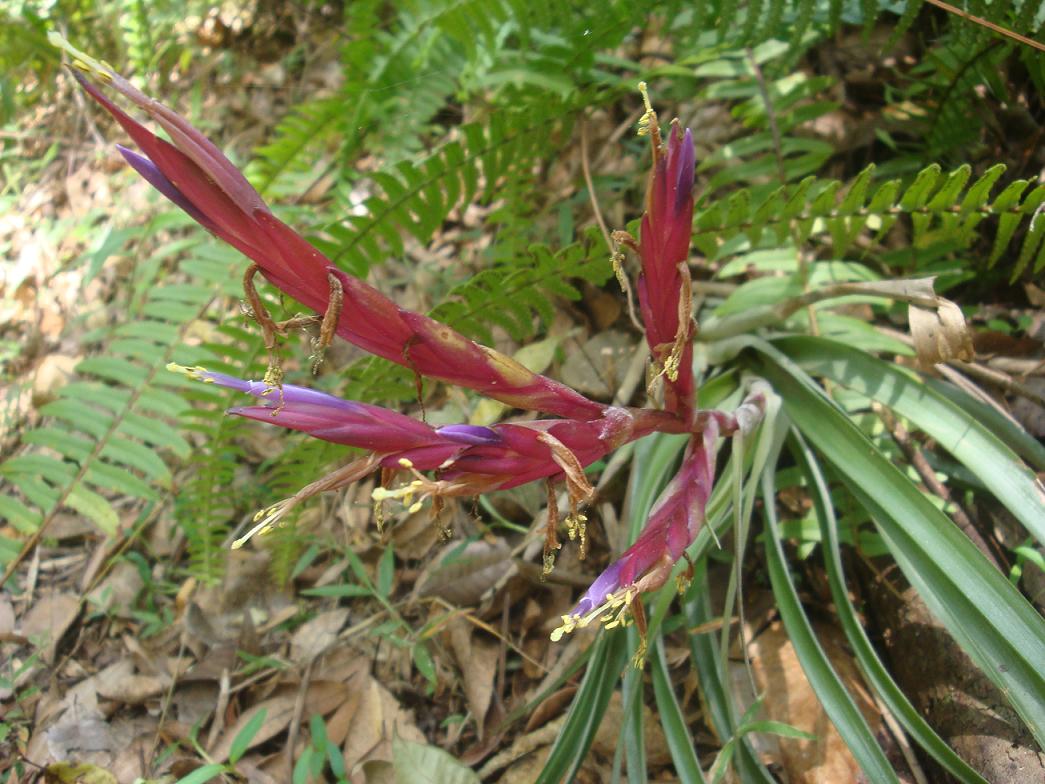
194	174
665	296
673	525
459	459
510	454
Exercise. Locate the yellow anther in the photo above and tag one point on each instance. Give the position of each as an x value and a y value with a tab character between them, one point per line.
405	462
639	659
406	491
613	612
548	563
649	116
197	373
81	60
577	528
268	518
415	507
617	260
645	97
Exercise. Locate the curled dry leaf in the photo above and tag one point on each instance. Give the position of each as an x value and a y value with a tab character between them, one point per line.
940	334
462	575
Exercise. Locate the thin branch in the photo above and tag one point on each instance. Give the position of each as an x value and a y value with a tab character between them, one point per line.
988	24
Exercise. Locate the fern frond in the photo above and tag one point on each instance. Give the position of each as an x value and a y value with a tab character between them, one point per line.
418	198
940	207
115	431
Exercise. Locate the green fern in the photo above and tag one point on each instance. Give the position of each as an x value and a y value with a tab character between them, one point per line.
939	207
417	199
103	434
138	33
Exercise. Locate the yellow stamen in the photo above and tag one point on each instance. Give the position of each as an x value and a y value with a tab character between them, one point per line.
649	116
82	61
268	518
197	373
548	562
577	528
613	612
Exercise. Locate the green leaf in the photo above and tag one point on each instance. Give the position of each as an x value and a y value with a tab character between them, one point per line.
676	732
961	434
343	591
93	507
834	698
386	572
202	775
245	736
873	669
989	618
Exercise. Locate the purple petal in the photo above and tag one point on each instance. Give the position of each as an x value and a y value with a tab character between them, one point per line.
606	583
287	394
470	434
152	175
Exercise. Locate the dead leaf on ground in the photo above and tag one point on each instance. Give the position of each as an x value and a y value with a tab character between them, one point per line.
462	575
378	719
789	698
317	634
48	619
597	367
322	698
477	657
608	734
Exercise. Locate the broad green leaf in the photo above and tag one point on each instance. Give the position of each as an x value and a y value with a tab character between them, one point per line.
873	670
991	620
202	775
972	444
419	763
834	698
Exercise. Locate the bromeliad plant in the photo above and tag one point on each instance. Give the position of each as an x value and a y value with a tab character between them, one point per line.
418	461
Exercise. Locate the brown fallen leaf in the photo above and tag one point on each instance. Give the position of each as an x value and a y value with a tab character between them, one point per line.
322	698
316	635
477	658
49	617
378	719
789	698
462	575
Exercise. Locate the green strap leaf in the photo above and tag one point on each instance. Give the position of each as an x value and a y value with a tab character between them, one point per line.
972	444
873	670
837	702
989	618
